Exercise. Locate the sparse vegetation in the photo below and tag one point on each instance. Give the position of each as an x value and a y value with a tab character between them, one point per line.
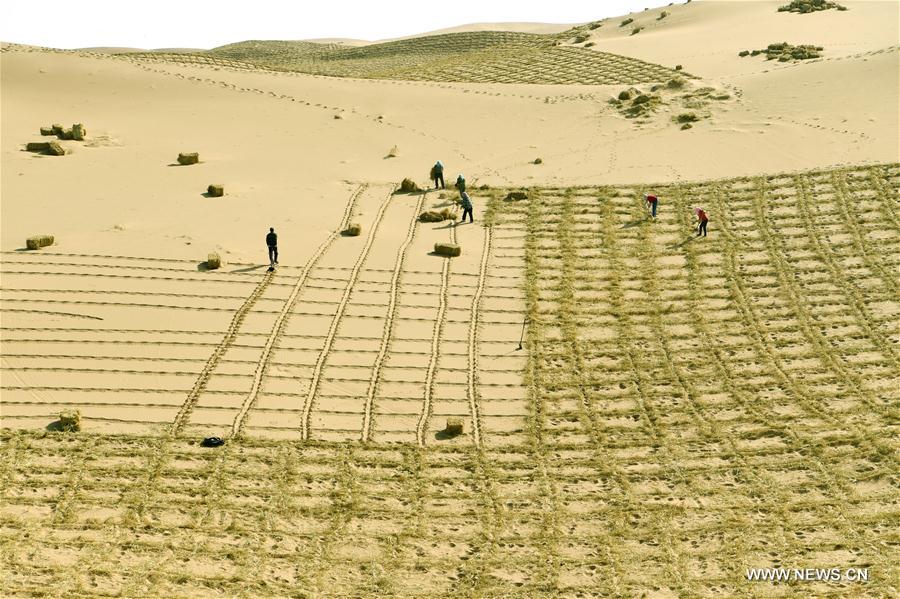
353	230
538	161
662	15
785	52
636	30
626	22
475	57
808	6
581	39
687	117
216	190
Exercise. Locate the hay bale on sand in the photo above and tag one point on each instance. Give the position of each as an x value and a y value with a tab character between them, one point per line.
54	149
213	261
66	134
353	230
454	427
216	190
186	158
38	241
409	186
516	195
447	249
430	216
70	420
78	132
56	128
38	146
47	131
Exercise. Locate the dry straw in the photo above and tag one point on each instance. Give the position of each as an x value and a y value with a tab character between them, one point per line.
39	241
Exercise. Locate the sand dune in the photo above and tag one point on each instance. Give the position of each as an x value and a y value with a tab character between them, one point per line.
645	412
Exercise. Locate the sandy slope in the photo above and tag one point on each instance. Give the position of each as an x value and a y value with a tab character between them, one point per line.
274	142
706	36
686	396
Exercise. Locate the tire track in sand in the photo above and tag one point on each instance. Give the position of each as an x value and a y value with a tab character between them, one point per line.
336	320
422	425
389	323
262	366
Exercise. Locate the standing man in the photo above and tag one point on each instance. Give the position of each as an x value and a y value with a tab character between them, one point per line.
272	242
437	174
652	200
467	208
702	219
461	183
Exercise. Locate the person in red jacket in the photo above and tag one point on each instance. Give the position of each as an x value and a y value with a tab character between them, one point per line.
652	201
702	219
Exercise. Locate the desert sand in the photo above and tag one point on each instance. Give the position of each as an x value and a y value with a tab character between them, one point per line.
680	409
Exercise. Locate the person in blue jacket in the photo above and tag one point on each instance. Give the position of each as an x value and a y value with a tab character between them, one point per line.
466	203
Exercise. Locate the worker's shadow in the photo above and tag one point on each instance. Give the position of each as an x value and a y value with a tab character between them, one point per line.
683	243
249	268
635	223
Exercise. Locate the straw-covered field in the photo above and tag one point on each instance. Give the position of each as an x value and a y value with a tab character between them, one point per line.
469	57
683	409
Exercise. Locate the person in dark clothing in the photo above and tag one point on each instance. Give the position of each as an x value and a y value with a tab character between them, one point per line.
652	201
437	174
466	203
461	183
272	242
703	219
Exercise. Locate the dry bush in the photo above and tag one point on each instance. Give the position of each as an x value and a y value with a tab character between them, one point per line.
213	261
808	6
186	158
353	230
216	190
